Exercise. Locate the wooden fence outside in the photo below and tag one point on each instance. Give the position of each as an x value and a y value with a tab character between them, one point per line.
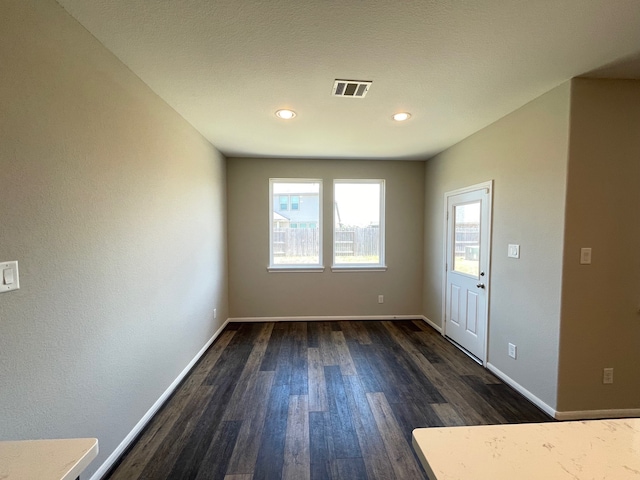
304	242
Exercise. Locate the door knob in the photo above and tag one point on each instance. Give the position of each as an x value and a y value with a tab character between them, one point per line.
480	285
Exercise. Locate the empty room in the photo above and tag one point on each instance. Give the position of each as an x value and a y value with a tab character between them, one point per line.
248	240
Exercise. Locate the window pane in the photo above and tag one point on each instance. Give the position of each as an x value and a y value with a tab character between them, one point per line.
358	226
466	258
293	242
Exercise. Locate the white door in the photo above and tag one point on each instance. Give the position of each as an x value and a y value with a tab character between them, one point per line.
467	267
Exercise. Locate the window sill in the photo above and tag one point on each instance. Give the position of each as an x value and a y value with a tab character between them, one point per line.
359	268
292	269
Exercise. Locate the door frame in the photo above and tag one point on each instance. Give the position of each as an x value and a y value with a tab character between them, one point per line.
488	185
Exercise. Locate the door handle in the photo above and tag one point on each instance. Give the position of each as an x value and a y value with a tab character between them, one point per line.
480	285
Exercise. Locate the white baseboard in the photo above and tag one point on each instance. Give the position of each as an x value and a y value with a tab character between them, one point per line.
120	449
596	414
568	415
435	326
326	318
516	386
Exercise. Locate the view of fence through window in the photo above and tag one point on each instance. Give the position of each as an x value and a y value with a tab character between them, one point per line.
467	239
357	228
296	236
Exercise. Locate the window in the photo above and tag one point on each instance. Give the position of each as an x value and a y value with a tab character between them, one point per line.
466	220
293	243
358	225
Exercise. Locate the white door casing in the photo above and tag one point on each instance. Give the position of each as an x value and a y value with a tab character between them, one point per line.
467	262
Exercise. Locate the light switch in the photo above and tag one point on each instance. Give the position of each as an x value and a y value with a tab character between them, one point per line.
7	276
10	279
513	251
585	256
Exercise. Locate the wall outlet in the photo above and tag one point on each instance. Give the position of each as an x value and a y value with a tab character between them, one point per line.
513	350
215	313
607	375
380	298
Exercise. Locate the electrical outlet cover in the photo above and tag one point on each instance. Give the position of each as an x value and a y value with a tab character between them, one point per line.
585	256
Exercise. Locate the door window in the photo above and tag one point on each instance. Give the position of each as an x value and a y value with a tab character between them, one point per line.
466	257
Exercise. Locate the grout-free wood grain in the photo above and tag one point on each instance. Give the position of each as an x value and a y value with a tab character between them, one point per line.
317	400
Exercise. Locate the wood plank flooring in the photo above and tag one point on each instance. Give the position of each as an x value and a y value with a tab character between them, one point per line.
317	400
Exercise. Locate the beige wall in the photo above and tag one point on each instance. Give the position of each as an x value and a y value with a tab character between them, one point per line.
115	209
525	153
600	321
254	292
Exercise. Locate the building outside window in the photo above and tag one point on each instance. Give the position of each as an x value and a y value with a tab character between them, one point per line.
295	207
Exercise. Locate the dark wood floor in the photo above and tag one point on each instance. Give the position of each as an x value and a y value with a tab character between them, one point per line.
318	400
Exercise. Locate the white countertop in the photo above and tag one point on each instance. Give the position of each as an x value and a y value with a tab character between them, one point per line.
46	459
589	450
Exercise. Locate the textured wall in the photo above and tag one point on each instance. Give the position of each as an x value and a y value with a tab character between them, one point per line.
525	153
600	321
115	209
254	292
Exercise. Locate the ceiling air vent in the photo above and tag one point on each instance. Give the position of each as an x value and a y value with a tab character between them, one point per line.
350	88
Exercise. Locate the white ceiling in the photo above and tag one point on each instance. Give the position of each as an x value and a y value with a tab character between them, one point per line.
457	66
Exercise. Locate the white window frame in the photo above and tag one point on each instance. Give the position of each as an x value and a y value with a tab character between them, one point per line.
361	267
309	267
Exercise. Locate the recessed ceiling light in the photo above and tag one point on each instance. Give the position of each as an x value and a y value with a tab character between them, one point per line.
285	114
401	117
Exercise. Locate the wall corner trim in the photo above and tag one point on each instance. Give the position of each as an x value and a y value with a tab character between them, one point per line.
131	436
516	386
432	324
